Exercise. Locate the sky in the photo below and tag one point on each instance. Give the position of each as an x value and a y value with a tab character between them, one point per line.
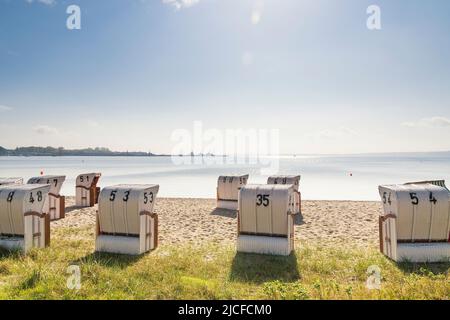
139	70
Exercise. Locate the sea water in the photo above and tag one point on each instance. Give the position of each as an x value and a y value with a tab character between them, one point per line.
331	177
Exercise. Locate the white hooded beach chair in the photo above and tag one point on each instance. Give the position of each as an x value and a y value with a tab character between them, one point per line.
265	219
86	190
415	224
292	180
55	203
228	191
7	181
23	223
126	223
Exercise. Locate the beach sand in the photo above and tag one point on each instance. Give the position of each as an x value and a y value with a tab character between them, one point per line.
197	221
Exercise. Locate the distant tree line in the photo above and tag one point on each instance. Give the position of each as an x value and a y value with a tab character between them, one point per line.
55	152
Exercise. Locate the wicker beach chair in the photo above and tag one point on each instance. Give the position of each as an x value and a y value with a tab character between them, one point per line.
23	223
293	180
415	224
7	181
55	203
228	191
265	219
126	222
86	189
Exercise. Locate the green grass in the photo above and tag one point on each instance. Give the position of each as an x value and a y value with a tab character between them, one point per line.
212	272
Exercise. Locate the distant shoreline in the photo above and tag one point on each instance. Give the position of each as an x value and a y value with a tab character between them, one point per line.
87	152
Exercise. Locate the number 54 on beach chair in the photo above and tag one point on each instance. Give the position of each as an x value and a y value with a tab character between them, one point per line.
126	223
23	223
415	224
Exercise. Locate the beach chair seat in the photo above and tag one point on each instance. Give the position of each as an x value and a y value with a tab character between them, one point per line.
86	190
293	180
55	204
265	219
126	223
7	181
228	191
415	224
23	223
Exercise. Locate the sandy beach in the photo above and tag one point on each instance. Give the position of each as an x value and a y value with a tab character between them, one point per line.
196	221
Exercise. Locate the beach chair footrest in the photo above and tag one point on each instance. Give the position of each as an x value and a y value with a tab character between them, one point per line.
118	244
12	243
264	245
423	252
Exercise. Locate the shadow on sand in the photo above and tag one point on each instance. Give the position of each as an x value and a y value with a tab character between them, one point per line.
73	208
224	213
258	268
298	219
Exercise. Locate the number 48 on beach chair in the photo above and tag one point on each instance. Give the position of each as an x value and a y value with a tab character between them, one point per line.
87	191
55	203
126	223
23	223
265	219
415	225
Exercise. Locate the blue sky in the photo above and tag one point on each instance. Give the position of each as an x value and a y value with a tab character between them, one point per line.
140	69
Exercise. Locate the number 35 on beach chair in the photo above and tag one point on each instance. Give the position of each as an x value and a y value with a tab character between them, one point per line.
23	223
87	191
265	219
126	223
228	191
55	203
293	180
415	224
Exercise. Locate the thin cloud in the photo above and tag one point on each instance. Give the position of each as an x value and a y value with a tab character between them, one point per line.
257	12
433	122
5	108
46	2
180	4
43	129
329	134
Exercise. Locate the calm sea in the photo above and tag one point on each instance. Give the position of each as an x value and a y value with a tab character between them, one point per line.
353	177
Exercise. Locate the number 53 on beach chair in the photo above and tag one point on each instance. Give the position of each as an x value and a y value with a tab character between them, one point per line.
23	223
126	222
415	224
